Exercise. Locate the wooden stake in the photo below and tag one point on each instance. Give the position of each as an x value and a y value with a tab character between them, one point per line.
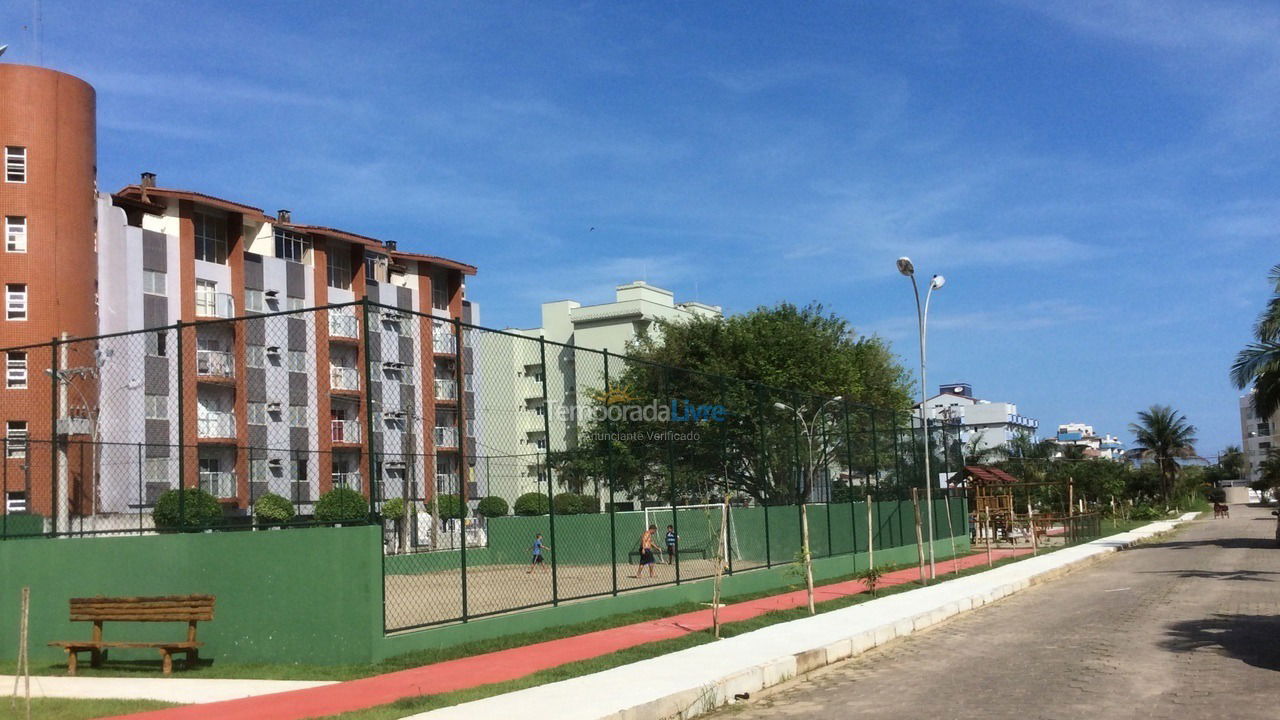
915	503
871	534
23	670
987	533
1031	524
955	559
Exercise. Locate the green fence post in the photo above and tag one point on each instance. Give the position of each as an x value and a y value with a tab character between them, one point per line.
671	471
141	493
546	464
766	476
4	491
182	423
368	409
726	507
848	464
875	450
55	382
610	477
459	381
826	472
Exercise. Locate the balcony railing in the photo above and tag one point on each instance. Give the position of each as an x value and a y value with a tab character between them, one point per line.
75	425
218	484
216	425
446	437
343	325
350	480
446	482
344	378
345	431
221	305
446	389
444	343
215	363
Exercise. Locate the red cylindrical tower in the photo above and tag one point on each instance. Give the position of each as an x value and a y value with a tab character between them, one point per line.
48	262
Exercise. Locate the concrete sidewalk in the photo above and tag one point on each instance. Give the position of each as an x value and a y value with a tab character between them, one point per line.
694	681
170	689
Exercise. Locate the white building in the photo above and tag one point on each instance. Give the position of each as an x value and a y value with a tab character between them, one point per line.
1107	447
995	424
520	424
1258	436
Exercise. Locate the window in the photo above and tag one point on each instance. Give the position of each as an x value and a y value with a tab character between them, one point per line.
15	302
542	443
15	234
297	416
259	469
375	267
439	292
153	282
157	344
155	470
15	377
292	246
292	303
1264	445
15	164
339	269
1264	429
257	413
297	361
211	239
157	407
255	356
15	439
15	502
253	300
206	298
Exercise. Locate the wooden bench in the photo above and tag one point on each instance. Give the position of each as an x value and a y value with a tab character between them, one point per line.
189	609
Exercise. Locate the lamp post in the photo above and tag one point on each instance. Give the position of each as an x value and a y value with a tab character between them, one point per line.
804	508
922	319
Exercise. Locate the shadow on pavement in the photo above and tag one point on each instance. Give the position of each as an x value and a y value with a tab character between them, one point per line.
1232	543
1249	638
1255	575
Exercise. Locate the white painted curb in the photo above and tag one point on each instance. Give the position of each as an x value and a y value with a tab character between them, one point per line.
170	689
694	681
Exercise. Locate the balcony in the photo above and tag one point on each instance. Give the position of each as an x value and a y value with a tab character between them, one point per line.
219	484
345	431
215	363
75	425
216	425
446	389
349	480
215	305
446	482
344	378
444	343
343	325
446	437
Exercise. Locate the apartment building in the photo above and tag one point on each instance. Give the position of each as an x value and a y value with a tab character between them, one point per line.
1258	437
995	424
270	397
1094	445
530	389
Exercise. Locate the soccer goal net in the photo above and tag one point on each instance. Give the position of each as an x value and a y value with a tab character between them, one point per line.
697	528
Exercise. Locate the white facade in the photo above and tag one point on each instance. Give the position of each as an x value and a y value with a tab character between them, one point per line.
521	426
1258	436
995	424
1107	447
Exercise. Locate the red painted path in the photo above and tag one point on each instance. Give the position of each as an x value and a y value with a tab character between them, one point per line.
518	662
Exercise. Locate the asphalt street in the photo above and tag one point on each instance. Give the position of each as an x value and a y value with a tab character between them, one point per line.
1185	627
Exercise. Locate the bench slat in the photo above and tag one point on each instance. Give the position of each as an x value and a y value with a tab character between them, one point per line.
142	618
141	605
145	598
93	645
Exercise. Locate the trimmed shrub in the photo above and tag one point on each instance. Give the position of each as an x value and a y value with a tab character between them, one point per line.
199	510
393	509
451	507
492	507
272	508
533	503
342	505
568	503
588	504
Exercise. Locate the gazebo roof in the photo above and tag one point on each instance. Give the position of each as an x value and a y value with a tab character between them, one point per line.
987	475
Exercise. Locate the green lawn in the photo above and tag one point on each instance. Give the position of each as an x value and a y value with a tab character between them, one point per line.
64	709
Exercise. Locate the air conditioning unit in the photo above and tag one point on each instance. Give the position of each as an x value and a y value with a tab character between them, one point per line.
392	365
392	316
273	349
273	407
393	465
275	462
272	293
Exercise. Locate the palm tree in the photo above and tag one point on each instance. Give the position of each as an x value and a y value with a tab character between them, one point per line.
1268	475
1231	460
1258	364
1163	434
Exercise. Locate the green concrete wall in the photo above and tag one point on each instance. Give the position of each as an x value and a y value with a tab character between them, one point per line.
305	595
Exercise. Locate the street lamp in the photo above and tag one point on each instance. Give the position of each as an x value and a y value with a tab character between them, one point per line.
922	319
804	508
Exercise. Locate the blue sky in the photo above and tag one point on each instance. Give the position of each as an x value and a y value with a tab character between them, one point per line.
1098	181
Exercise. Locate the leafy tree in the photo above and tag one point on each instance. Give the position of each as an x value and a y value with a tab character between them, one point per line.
1258	363
342	505
492	507
532	503
1268	475
1231	460
1163	434
272	508
451	507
